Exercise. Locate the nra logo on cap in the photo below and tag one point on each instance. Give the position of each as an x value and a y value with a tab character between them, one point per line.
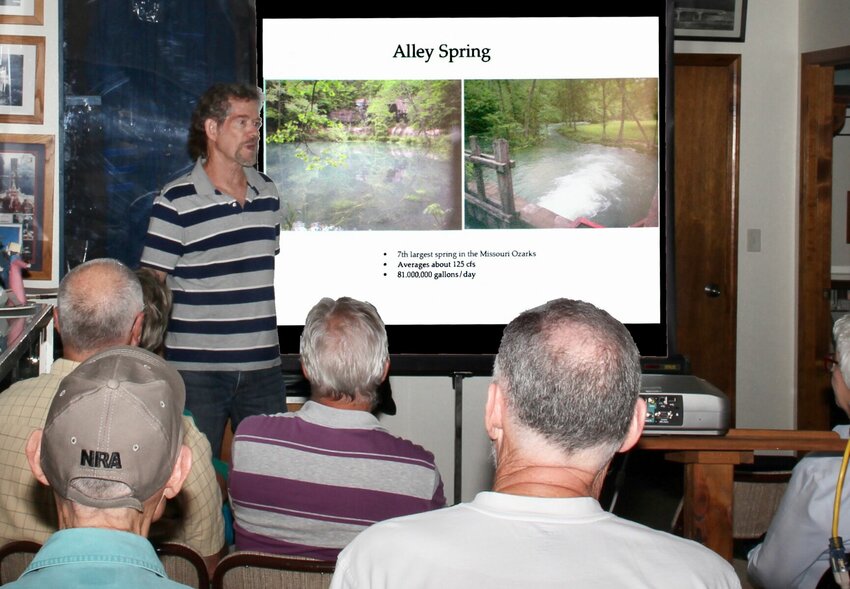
100	459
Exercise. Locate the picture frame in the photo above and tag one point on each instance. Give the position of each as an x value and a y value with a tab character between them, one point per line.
709	20
21	79
26	197
22	12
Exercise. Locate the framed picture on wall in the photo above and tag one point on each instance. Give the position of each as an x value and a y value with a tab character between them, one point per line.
709	20
22	12
26	198
21	79
11	237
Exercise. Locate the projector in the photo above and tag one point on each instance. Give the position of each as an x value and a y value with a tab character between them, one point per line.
683	404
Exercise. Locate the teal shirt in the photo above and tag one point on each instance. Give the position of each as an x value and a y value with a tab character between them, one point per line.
94	557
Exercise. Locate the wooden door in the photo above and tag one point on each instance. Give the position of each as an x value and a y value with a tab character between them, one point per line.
814	392
705	208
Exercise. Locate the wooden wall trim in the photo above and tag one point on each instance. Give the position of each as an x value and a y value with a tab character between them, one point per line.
814	320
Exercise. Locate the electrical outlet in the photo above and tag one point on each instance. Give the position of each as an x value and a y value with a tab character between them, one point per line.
753	240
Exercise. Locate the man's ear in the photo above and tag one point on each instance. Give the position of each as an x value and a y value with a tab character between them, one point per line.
136	330
211	128
33	452
179	472
635	426
56	320
386	370
494	411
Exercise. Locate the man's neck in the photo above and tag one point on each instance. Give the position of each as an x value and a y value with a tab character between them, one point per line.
76	355
533	467
548	481
228	177
121	520
356	404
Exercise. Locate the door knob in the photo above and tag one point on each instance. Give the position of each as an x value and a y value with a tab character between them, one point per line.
712	290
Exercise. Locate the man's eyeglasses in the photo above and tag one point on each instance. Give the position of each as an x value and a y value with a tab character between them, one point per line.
829	363
244	123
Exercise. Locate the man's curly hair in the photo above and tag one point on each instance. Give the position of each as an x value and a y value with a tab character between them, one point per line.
215	104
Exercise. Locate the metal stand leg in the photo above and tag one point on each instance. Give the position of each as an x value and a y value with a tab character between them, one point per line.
457	379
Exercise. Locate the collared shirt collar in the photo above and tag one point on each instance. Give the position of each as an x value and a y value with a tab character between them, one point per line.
88	545
63	367
339	418
203	184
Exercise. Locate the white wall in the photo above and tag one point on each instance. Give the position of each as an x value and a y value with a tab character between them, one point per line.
49	30
426	416
766	357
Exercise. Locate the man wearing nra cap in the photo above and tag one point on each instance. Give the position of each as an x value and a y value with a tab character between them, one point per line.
112	450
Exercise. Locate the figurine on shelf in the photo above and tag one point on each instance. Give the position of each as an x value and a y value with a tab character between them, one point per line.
17	266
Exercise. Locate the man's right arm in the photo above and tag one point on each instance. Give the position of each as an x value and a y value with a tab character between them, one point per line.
163	244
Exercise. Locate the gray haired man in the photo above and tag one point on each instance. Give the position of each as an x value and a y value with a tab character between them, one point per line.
795	552
564	399
306	483
100	305
112	450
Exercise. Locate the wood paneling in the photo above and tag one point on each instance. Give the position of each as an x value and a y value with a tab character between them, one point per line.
814	398
705	206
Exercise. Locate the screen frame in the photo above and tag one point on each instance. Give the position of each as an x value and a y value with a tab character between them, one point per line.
449	349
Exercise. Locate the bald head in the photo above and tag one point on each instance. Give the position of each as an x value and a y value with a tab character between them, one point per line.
571	374
98	305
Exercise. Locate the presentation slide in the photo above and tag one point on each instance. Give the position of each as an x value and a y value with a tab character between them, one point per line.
458	171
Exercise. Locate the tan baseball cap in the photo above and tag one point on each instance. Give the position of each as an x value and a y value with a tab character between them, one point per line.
116	417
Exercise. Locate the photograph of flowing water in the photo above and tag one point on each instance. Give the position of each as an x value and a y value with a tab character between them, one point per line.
585	151
365	155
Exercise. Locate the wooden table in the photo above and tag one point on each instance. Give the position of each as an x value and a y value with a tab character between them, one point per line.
709	467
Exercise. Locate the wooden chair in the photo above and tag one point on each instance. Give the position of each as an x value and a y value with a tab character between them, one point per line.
756	495
757	492
756	498
183	564
15	557
259	569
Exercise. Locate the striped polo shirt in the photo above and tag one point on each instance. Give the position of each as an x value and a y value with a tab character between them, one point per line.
219	258
306	483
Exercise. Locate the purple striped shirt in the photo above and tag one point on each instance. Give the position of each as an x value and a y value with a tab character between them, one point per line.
306	483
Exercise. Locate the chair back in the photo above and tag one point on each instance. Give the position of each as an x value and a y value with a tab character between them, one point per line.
757	491
259	569
15	557
756	497
183	564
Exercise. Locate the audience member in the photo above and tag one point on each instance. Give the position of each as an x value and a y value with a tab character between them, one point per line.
794	554
564	399
112	451
100	304
158	300
195	505
306	483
